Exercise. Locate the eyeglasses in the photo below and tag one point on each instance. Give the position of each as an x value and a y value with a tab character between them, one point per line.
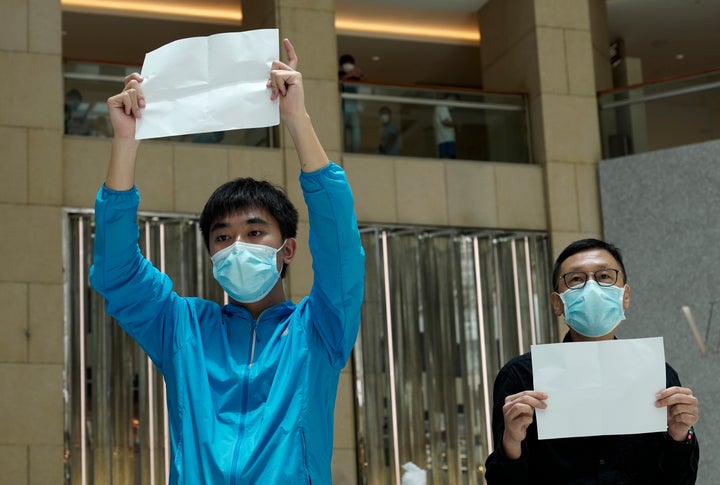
575	280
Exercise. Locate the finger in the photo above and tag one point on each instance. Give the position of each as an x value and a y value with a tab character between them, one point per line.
680	411
281	80
517	412
280	66
673	390
291	56
676	399
133	86
526	396
133	77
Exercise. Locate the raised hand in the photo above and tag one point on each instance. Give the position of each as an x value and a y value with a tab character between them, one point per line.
124	108
286	83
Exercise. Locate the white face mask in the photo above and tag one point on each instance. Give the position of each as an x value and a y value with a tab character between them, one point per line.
385	118
348	67
247	272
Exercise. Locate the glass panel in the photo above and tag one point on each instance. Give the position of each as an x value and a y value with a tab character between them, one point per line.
660	115
116	427
488	126
444	310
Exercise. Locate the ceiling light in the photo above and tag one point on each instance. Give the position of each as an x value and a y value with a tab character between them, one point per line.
142	8
412	31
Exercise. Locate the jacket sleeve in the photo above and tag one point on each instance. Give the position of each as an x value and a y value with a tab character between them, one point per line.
499	469
678	461
338	261
137	294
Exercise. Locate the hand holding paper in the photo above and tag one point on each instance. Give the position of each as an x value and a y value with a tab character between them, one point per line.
682	410
518	414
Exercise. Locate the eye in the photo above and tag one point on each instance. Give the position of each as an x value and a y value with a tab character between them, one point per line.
605	276
574	279
222	238
255	233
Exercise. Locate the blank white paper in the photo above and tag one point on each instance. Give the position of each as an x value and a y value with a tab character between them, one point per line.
600	388
207	84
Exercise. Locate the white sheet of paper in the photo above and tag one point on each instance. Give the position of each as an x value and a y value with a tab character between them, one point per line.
600	388
206	84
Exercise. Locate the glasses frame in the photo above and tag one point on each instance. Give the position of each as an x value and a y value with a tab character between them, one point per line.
587	278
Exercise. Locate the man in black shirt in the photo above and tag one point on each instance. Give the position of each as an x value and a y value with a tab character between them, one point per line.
591	292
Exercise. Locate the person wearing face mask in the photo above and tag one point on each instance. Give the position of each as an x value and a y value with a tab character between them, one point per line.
351	108
251	385
592	293
390	137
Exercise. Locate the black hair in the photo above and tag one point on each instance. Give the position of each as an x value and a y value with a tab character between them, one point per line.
384	109
74	93
584	245
346	58
248	193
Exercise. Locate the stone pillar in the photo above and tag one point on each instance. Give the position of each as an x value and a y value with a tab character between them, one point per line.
552	50
31	280
557	52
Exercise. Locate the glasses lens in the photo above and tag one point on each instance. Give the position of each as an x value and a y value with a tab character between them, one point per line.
606	277
575	280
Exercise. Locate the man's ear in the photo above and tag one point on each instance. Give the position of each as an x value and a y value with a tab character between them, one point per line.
288	252
557	304
626	298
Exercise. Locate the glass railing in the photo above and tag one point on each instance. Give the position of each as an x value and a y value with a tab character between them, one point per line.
420	122
88	86
408	121
659	115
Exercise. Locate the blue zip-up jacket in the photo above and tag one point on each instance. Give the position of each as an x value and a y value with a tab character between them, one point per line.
250	401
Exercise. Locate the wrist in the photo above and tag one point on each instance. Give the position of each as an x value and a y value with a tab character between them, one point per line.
511	448
686	437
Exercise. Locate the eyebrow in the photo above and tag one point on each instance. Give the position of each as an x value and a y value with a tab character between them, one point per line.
223	224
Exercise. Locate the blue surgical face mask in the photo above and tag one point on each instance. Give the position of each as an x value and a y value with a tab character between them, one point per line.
594	310
247	272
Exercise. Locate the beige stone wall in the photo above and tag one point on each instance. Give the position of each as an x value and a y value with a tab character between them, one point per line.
31	282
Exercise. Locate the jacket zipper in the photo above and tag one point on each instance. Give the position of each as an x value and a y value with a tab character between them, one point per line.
243	411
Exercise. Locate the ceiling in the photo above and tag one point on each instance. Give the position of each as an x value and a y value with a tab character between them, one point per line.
393	40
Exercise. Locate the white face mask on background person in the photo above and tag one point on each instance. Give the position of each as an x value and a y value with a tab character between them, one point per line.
348	67
594	310
385	118
247	272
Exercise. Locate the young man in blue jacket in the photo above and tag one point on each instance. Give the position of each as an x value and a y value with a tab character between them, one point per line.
251	385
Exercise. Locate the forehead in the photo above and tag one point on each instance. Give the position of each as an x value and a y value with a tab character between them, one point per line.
589	260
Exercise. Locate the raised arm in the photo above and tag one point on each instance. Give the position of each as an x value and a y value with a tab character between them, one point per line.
286	84
124	109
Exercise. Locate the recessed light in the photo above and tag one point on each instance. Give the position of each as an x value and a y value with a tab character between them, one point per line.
679	57
375	58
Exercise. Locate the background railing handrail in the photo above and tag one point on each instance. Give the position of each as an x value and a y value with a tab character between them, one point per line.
654	97
432	102
655	82
434	88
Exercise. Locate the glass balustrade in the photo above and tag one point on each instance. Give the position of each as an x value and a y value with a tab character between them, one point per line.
660	115
484	126
378	119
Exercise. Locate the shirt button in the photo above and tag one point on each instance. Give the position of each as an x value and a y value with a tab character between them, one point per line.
602	462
